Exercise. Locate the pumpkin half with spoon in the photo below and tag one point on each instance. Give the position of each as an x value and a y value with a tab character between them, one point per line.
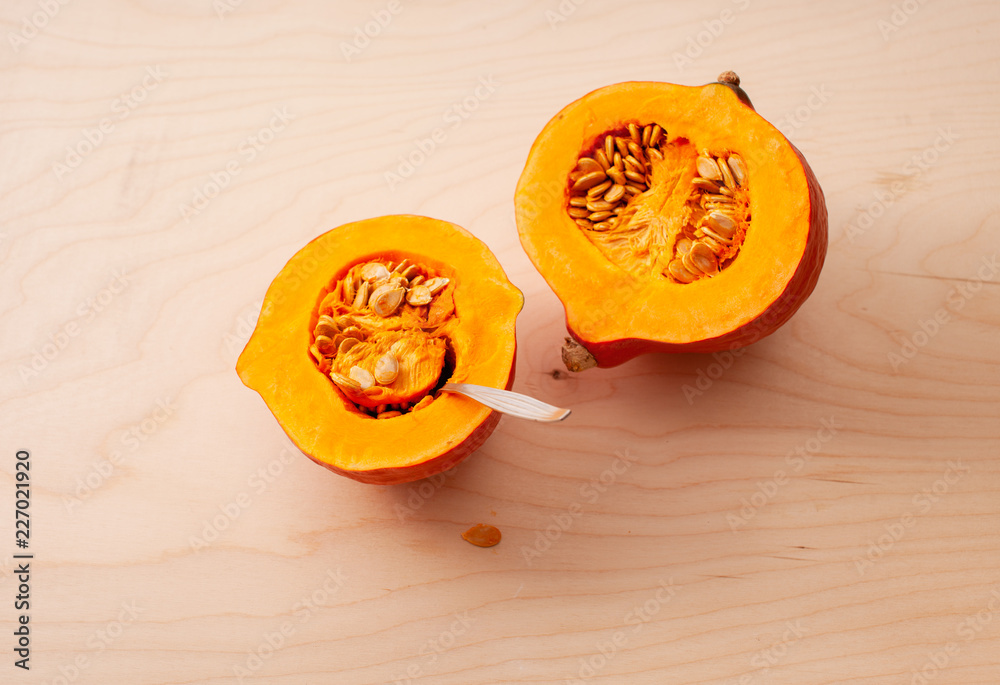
360	330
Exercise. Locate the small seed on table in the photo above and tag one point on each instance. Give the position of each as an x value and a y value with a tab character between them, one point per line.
482	535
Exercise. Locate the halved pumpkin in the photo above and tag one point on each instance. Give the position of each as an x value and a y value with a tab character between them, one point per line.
463	332
706	232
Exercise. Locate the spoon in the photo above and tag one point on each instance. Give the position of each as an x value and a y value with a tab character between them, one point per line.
508	402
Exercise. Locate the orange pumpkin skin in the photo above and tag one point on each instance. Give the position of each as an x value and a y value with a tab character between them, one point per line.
318	417
616	316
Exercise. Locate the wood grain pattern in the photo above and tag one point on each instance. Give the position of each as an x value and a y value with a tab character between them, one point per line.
820	509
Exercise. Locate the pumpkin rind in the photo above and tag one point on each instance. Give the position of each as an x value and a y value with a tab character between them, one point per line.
318	418
617	316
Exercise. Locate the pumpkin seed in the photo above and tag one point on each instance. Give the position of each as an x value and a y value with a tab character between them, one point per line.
616	193
325	327
634	176
386	369
482	535
362	377
701	257
677	270
344	382
739	169
374	272
590	180
617	175
715	246
601	205
705	184
709	168
589	165
361	298
707	230
436	284
721	223
727	173
599	189
654	136
420	295
324	345
385	299
622	145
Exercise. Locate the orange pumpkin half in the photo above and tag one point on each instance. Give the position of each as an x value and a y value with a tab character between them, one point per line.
359	330
669	218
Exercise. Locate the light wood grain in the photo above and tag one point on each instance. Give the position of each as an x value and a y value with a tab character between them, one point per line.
710	550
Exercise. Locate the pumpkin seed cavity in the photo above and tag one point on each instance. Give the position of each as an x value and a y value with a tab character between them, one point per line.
381	335
657	207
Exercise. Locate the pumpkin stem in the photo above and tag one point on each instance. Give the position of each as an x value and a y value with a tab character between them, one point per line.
576	357
730	80
729	77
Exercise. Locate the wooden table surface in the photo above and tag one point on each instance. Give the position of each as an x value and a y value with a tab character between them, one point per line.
824	509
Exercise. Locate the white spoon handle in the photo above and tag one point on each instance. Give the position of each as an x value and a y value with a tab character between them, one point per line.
508	402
